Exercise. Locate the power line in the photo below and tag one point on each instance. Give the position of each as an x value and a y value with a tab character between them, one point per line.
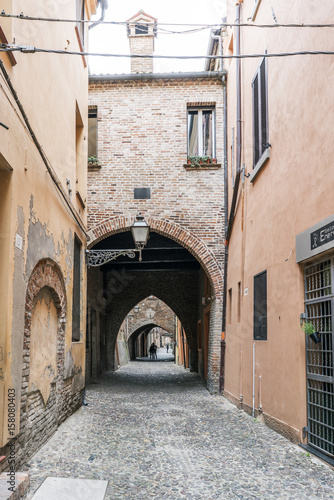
204	26
31	50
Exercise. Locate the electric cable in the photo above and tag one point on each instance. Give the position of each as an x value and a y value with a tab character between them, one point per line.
205	26
30	50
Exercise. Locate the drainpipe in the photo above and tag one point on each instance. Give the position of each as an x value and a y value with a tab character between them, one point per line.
104	6
223	339
253	409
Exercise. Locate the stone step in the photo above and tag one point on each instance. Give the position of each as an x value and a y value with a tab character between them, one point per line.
18	488
61	488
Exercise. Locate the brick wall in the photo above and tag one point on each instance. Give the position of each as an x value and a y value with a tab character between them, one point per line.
151	310
143	45
142	142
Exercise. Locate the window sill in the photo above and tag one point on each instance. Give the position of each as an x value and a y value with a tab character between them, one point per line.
204	166
260	164
93	166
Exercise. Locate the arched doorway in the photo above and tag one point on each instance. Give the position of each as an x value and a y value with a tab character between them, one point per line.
175	267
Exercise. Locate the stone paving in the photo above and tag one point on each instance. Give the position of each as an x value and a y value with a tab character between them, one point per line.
153	431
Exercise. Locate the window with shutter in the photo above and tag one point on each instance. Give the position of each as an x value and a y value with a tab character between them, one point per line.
260	112
260	306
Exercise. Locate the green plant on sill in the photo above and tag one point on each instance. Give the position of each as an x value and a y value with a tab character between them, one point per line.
92	160
308	328
198	160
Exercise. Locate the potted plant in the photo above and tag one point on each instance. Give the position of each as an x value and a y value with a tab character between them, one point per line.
92	160
193	160
310	332
206	159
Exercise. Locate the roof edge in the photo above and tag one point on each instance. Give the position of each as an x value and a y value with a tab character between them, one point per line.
159	76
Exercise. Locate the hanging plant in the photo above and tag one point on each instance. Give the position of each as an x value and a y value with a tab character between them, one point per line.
309	329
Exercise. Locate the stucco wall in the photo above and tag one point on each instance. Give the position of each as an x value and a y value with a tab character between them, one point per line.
290	194
52	90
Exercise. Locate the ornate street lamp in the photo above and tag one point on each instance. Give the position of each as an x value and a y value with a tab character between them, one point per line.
140	232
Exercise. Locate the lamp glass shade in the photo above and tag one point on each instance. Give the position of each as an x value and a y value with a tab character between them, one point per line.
140	231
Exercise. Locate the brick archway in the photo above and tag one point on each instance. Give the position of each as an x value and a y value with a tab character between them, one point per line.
170	230
147	322
45	276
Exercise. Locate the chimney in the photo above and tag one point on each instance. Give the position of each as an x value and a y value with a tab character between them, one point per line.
142	29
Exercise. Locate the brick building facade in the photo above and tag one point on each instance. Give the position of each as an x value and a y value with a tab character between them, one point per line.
142	124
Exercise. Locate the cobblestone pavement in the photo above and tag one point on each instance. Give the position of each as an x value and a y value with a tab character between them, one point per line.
153	431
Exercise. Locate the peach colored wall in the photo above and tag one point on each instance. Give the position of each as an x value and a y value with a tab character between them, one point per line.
289	195
51	88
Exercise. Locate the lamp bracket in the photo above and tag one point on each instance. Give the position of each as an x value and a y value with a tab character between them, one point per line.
96	258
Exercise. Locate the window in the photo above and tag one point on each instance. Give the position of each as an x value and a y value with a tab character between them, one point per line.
260	112
229	311
201	132
76	290
141	29
92	132
260	306
239	302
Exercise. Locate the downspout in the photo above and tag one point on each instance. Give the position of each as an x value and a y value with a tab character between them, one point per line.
223	337
104	6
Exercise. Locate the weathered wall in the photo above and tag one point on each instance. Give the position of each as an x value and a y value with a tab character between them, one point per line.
290	194
39	226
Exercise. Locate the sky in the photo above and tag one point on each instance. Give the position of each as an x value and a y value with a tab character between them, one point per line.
113	38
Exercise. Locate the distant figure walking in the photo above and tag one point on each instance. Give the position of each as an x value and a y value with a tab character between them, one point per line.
167	347
152	346
155	351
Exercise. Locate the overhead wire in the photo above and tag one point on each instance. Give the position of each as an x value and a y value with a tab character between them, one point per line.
30	50
196	25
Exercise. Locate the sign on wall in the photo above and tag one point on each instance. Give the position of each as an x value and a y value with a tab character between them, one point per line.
315	240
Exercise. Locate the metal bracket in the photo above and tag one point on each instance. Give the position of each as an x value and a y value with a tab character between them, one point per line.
96	258
305	431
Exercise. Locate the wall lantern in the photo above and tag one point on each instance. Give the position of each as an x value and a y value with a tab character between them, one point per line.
140	231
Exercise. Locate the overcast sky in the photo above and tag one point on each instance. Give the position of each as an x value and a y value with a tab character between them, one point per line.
113	39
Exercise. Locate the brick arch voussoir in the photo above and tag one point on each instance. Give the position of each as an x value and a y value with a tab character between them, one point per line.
171	230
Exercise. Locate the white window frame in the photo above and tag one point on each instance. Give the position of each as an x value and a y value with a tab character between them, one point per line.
199	128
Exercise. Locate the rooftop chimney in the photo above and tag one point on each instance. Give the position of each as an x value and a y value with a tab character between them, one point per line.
142	29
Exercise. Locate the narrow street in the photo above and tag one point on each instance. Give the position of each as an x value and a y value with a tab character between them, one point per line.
152	430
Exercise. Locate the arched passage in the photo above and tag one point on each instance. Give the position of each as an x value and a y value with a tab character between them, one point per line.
176	270
171	230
